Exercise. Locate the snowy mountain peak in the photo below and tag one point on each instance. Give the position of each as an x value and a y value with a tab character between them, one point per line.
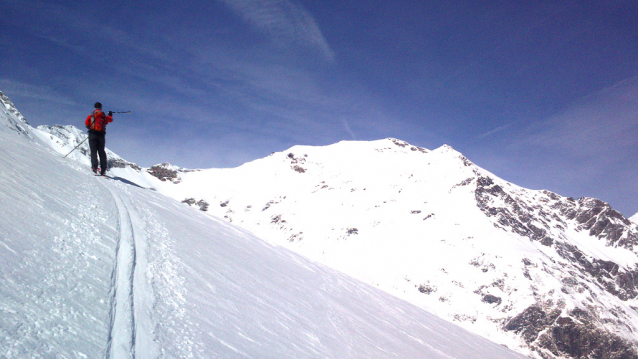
11	119
447	148
10	107
361	147
515	265
634	218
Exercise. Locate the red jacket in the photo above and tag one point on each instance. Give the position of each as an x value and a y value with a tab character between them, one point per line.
101	120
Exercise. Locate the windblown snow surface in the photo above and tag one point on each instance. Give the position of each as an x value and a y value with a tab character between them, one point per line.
99	267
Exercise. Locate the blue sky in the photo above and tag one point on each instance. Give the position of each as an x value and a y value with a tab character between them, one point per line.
541	93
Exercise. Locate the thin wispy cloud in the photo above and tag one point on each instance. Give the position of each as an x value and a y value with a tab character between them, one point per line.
263	73
347	127
283	20
45	93
588	149
602	125
496	130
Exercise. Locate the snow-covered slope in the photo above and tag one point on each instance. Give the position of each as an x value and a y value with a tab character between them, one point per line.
98	267
529	269
634	218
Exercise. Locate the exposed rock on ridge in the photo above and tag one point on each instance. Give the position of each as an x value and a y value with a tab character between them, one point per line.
548	327
14	121
167	172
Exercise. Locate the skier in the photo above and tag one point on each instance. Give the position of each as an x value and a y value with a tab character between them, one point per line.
96	123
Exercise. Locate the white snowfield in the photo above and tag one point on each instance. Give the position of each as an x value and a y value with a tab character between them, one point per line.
98	267
634	218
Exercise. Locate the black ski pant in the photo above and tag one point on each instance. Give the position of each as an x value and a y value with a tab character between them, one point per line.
97	142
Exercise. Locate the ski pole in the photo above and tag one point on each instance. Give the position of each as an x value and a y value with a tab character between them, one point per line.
129	112
76	147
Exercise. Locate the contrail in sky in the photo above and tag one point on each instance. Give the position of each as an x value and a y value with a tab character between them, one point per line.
498	129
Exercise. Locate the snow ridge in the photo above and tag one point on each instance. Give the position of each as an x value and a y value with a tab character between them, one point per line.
11	119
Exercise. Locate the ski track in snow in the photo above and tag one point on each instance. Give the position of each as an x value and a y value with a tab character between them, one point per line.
121	341
131	296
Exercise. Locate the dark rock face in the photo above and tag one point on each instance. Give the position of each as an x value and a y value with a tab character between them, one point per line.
535	221
164	173
516	215
603	222
491	299
203	205
575	336
295	163
621	283
531	322
427	289
545	217
404	144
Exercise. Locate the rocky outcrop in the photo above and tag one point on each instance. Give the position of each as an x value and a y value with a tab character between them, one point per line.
543	216
621	282
554	333
203	205
603	222
166	172
512	213
531	218
296	163
404	144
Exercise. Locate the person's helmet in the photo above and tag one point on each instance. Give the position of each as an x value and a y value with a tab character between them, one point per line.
98	105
